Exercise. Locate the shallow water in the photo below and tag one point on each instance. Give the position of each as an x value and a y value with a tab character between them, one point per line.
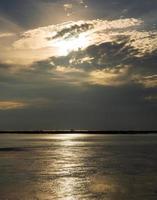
78	167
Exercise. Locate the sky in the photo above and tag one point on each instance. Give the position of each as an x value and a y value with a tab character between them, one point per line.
78	64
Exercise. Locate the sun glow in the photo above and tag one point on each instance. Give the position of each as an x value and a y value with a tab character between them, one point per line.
65	46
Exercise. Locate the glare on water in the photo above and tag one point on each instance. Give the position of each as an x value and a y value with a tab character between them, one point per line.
76	167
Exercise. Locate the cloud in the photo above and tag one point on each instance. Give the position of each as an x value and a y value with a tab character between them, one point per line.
64	69
92	52
73	30
151	98
147	81
107	64
24	103
68	9
108	76
97	31
62	39
73	6
94	31
10	105
3	35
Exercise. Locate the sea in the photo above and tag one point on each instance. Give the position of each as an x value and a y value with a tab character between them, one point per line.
78	167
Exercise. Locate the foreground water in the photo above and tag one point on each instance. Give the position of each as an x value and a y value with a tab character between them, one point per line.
78	167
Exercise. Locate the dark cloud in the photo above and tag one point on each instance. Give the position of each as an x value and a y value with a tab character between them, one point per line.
74	30
108	54
102	108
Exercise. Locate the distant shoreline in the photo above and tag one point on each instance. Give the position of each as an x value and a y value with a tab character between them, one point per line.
77	131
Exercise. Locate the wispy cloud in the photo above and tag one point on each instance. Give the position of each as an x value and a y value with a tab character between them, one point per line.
64	69
23	104
108	76
72	6
10	105
147	81
68	8
3	35
151	98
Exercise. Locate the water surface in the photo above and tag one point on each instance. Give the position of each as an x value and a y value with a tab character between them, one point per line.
78	167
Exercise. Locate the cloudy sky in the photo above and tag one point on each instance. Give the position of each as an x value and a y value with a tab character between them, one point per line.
82	64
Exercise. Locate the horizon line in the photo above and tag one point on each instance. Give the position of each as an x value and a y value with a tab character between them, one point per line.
53	131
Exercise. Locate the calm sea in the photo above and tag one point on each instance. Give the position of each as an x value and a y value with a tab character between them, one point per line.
78	167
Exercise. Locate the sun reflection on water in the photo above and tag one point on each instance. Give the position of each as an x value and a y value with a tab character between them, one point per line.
76	167
67	165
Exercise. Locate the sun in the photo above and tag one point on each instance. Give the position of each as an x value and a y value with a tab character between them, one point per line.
65	46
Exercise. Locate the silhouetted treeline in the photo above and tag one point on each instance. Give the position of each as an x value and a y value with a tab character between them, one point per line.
77	131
